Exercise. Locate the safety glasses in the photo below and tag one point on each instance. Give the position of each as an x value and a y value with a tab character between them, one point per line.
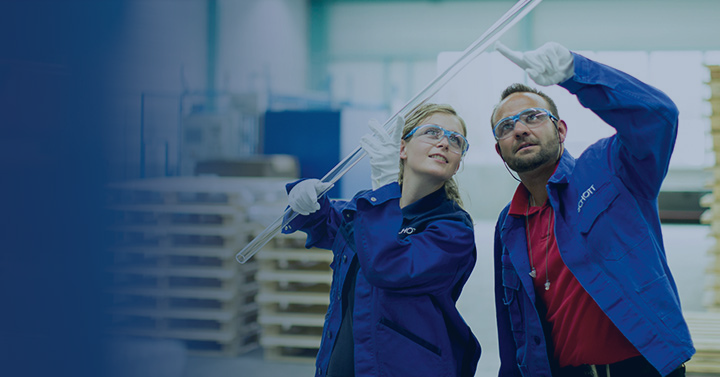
432	133
532	117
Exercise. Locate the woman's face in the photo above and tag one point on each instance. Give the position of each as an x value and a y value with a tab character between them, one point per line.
434	160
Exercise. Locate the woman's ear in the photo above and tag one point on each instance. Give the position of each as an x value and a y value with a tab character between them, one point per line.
403	154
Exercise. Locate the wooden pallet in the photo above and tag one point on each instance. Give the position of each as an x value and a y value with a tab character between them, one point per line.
179	258
203	342
179	276
293	298
237	346
714	72
172	237
294	344
208	317
166	319
705	332
711	296
184	299
285	298
174	273
240	192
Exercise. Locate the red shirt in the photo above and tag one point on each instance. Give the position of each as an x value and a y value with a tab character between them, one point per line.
581	332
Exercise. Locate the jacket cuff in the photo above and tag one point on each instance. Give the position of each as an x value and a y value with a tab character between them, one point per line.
300	220
574	83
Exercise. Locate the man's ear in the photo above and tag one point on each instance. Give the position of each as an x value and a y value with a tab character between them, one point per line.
497	149
403	154
561	130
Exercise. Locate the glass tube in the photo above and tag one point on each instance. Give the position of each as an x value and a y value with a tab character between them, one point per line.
510	18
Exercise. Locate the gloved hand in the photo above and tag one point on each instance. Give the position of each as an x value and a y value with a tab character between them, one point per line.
303	197
550	64
384	152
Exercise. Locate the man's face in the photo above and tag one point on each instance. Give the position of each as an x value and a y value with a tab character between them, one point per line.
526	148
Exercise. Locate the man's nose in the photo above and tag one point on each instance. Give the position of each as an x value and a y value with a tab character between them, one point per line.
520	128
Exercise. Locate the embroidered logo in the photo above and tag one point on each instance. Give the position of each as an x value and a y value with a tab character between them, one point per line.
585	195
408	230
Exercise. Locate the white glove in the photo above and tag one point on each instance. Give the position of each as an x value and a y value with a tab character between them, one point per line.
303	197
384	152
550	64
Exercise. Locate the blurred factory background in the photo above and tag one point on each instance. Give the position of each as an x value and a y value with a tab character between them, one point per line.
211	106
203	81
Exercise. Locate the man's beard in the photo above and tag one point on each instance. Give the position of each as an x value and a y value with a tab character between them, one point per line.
548	153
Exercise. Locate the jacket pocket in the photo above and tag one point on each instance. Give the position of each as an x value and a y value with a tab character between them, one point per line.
401	352
659	296
410	336
511	288
510	280
611	225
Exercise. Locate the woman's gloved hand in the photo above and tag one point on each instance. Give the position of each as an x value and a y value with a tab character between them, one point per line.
303	197
384	152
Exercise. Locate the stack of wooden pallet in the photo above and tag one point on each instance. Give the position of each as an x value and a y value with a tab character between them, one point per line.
174	273
713	201
705	331
294	297
705	326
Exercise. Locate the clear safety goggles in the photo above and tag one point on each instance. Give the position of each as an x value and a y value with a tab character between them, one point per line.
532	118
432	133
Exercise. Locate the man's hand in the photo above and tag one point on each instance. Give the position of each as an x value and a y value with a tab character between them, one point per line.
548	65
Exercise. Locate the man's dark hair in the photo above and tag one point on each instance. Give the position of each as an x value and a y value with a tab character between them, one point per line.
522	88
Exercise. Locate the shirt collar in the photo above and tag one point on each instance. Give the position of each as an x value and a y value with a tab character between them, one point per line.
564	168
424	204
519	203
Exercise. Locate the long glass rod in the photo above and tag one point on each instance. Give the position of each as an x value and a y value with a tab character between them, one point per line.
510	18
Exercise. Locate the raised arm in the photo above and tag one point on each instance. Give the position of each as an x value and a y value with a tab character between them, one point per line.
645	118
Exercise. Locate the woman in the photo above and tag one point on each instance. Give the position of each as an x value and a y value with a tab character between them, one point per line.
402	254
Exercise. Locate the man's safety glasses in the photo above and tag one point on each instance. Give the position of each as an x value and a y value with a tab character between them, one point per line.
532	118
432	133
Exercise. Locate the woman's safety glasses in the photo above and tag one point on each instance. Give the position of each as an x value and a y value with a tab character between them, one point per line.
432	133
532	118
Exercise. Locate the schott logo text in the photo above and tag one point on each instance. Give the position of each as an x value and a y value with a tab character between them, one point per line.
408	230
585	195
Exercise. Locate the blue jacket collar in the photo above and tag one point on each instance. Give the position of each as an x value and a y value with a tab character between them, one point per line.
422	206
564	169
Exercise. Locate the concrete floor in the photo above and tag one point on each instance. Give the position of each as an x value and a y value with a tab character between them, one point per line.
686	245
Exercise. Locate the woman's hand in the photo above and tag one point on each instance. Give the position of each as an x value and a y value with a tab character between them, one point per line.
384	152
303	197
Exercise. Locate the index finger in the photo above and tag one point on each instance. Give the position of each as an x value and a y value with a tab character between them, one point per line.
514	56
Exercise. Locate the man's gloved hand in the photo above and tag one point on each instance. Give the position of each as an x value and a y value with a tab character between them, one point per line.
303	197
384	152
550	64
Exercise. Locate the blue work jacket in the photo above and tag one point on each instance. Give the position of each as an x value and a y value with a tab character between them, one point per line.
413	264
607	230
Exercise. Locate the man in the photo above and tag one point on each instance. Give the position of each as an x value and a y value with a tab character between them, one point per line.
582	284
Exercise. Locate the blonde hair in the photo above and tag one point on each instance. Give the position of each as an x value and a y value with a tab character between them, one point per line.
417	115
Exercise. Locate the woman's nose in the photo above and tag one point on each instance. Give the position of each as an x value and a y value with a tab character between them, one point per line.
443	142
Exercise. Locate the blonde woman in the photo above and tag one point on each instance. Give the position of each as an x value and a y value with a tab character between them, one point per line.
402	254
